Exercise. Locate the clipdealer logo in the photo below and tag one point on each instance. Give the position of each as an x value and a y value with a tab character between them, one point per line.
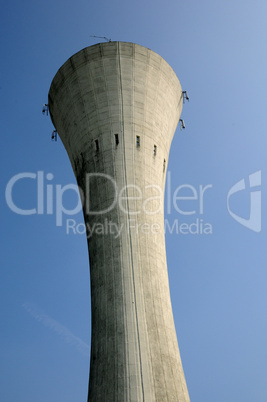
186	200
254	221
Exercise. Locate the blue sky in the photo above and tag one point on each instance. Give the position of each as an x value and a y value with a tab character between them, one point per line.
218	281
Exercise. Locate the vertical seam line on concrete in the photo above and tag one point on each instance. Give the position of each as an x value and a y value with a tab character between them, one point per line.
115	367
147	253
142	296
149	376
127	389
103	242
145	125
95	168
126	353
153	291
128	213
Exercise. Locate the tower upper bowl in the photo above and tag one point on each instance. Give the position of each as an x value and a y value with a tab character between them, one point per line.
113	84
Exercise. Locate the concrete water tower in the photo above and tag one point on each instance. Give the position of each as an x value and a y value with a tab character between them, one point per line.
116	107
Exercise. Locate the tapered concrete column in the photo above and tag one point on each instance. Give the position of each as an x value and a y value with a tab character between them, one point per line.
116	107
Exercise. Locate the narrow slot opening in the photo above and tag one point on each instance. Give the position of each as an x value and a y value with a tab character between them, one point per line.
138	141
155	150
116	139
164	165
96	145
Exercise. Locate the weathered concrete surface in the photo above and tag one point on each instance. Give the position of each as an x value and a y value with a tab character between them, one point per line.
100	101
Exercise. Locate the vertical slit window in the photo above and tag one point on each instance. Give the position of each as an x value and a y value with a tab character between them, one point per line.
116	139
164	165
155	150
96	145
138	141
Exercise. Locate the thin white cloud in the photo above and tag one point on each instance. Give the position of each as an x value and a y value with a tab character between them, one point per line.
59	329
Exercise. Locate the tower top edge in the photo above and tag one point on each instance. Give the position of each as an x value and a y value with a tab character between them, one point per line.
110	45
110	50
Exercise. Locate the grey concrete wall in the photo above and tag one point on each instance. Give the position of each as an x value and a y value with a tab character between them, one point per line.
126	90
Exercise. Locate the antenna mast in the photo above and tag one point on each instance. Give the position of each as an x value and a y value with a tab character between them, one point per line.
101	37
